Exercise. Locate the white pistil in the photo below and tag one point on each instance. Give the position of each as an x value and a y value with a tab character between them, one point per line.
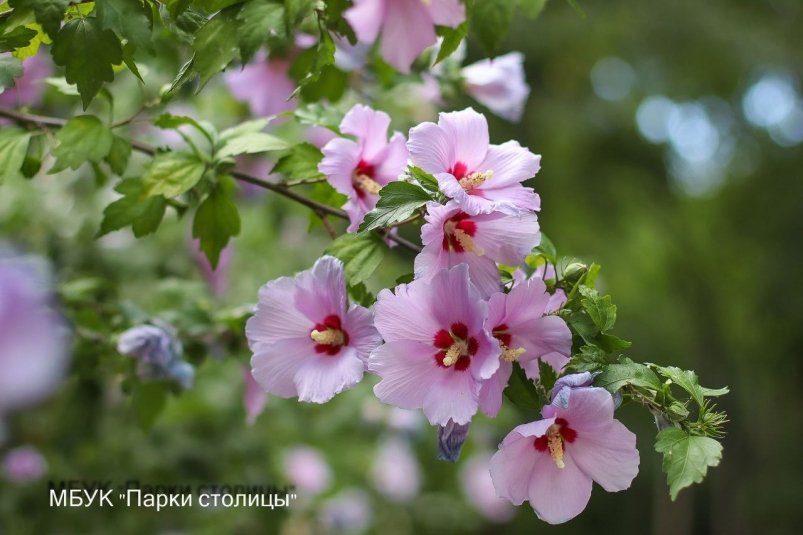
555	445
465	241
512	355
458	348
472	180
329	337
366	183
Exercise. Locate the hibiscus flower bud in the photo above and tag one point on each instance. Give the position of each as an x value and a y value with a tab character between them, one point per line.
451	438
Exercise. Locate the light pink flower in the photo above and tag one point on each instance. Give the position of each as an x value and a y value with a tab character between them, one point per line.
305	468
478	488
480	177
452	236
407	26
436	351
24	464
552	462
264	84
499	84
544	272
28	88
254	399
395	473
359	169
306	341
519	322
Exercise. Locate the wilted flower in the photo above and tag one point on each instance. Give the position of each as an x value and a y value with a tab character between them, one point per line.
28	88
452	237
480	177
552	462
158	352
436	351
24	464
264	84
359	169
407	26
478	488
526	334
305	340
451	438
395	472
499	84
306	468
254	398
34	341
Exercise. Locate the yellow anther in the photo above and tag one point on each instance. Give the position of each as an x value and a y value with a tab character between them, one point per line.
555	445
472	180
329	337
512	355
366	184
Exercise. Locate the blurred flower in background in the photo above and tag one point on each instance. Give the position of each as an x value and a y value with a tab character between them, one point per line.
158	352
254	398
395	473
499	84
264	84
347	512
478	488
306	468
29	87
24	464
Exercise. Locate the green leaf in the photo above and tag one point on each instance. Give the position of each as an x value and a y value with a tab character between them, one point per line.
359	294
119	154
452	37
61	85
627	372
491	21
167	121
216	221
19	37
547	249
128	19
83	139
215	45
361	254
10	68
612	344
296	11
13	146
601	309
317	114
149	400
213	6
144	214
173	173
521	391
87	52
686	457
688	381
33	156
251	143
532	8
246	127
301	163
427	181
310	64
258	19
590	358
397	201
49	13
547	375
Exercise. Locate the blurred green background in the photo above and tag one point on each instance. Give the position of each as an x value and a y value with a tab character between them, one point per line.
671	139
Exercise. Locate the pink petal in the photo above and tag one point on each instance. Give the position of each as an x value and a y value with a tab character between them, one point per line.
467	132
507	239
453	298
394	160
340	159
274	366
430	149
254	398
275	318
407	31
558	494
450	13
483	272
406	372
512	466
492	389
366	18
590	410
556	361
550	334
363	336
321	292
499	84
512	199
405	315
264	85
356	208
370	127
511	164
323	376
608	457
455	397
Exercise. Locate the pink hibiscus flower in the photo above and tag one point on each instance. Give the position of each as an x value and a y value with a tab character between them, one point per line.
552	462
480	177
306	341
359	169
499	84
519	322
436	352
544	272
264	84
452	236
407	26
28	88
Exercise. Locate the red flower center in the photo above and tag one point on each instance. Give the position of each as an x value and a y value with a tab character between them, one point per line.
458	170
456	347
458	232
363	179
500	333
329	336
555	439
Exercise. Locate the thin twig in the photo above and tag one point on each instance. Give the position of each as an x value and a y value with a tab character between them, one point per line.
304	182
327	225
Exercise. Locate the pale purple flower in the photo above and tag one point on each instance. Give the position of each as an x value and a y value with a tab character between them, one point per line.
24	464
358	169
452	237
28	88
349	511
552	462
306	341
436	352
264	84
407	26
158	352
499	84
34	341
254	398
478	488
451	438
544	272
395	473
520	322
306	468
480	177
319	136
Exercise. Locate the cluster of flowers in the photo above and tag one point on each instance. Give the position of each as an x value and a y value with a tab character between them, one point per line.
447	341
